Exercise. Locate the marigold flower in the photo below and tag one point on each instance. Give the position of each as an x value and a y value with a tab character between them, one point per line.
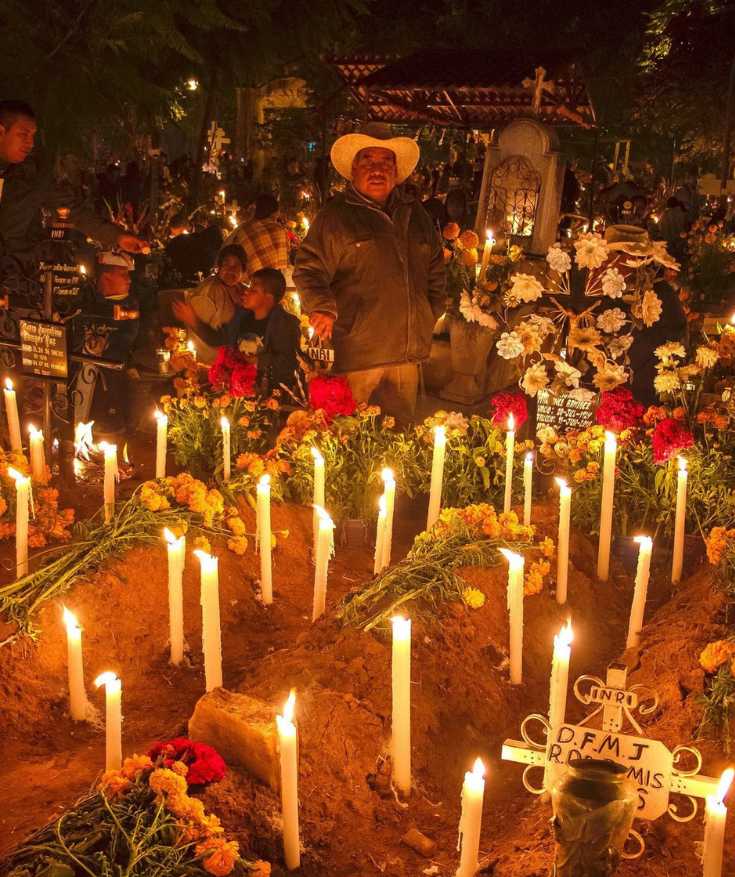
473	597
113	784
218	855
715	654
133	766
166	782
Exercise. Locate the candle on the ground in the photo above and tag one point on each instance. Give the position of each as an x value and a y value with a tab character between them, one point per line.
486	253
37	454
606	506
640	591
113	719
389	492
110	452
318	496
558	691
11	412
677	562
562	553
527	487
470	822
265	539
288	749
211	633
161	443
225	424
714	827
324	544
176	559
510	443
437	475
22	503
75	667
516	565
401	715
379	537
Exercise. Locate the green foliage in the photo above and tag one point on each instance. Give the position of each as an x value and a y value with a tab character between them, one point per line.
718	701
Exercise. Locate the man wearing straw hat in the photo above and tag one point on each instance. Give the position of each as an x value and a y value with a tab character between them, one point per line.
371	273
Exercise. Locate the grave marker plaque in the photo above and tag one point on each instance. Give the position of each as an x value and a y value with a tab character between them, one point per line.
43	349
563	412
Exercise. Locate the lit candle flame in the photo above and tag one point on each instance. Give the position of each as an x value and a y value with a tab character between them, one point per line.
515	560
565	636
644	541
208	561
561	483
264	481
33	431
83	439
317	455
381	506
401	627
529	458
105	678
611	441
478	768
190	346
70	619
169	536
387	476
224	423
82	269
311	332
289	706
440	432
732	319
324	518
233	220
511	423
9	383
682	464
17	476
723	786
305	222
125	453
159	415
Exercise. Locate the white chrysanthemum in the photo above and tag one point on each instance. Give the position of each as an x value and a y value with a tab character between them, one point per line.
671	348
619	346
613	283
558	259
591	250
707	357
535	379
611	320
547	435
582	395
610	376
544	325
651	307
473	313
455	420
509	346
666	382
568	373
525	288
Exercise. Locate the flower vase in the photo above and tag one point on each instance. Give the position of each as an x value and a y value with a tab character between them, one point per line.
470	346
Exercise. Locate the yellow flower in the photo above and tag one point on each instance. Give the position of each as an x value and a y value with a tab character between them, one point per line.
480	462
218	855
473	597
200	402
113	784
135	765
238	545
580	476
715	654
180	768
166	782
236	525
201	543
547	547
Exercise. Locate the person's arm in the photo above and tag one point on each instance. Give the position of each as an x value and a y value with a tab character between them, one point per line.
316	265
437	289
184	313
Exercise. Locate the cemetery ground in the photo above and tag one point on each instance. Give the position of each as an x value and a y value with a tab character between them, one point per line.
463	704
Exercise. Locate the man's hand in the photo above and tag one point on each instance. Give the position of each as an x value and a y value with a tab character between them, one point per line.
322	325
131	244
184	313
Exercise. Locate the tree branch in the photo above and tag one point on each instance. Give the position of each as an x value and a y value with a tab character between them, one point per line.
72	30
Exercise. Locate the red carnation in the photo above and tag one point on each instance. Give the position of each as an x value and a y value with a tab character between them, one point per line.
618	410
232	372
205	763
505	404
332	395
670	437
242	381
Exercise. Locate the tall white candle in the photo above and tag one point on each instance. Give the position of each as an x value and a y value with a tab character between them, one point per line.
401	715
225	424
75	667
176	559
527	487
379	537
714	827
437	475
113	719
288	750
510	443
11	412
516	565
558	691
265	540
470	822
389	492
606	507
22	503
37	454
486	253
324	545
640	591
318	497
211	633
161	443
562	556
111	474
677	562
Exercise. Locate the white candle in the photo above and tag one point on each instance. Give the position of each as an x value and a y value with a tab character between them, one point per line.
265	540
677	562
516	564
558	691
437	475
211	633
288	749
486	252
379	537
324	545
111	474
161	443
389	492
606	507
510	443
37	454
562	556
75	667
113	719
318	497
643	572
401	714
714	827
176	559
470	822
11	412
22	502
527	488
225	424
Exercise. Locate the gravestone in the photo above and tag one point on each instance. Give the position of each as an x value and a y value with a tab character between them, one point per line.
563	412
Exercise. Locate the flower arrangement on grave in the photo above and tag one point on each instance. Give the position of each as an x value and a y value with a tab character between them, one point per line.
717	660
233	373
142	819
710	264
680	376
430	574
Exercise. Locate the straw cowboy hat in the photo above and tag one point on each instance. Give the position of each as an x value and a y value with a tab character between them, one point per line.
373	135
628	239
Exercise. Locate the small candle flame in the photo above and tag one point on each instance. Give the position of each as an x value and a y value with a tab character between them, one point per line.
82	269
682	464
83	439
8	384
381	505
611	440
324	518
440	432
515	560
105	678
169	536
644	541
70	619
387	476
224	423
305	222
478	768
311	332
732	319
190	346
264	481
16	475
565	636
724	785
317	455
159	415
33	432
529	457
561	483
289	706
511	423
233	220
125	453
401	627
208	561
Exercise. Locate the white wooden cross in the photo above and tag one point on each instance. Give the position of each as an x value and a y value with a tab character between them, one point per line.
539	86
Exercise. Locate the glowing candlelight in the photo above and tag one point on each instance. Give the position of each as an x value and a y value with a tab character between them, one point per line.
714	827
470	822
75	667
211	632
37	454
22	505
11	412
527	487
161	442
606	507
318	496
265	538
288	749
437	475
401	714
379	537
176	559
486	252
225	426
324	546
305	223
677	562
562	555
113	719
516	564
389	492
510	442
111	475
640	591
